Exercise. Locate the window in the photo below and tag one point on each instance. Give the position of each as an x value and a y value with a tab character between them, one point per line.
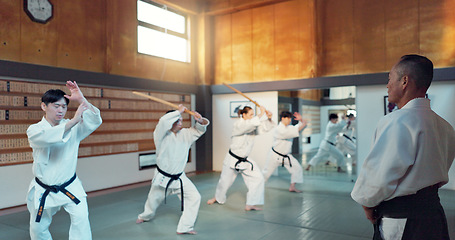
162	32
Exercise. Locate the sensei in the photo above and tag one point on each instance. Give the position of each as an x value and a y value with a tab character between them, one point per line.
280	154
172	143
327	148
237	160
55	143
413	149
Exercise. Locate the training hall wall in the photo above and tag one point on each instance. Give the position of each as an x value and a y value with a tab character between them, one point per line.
232	41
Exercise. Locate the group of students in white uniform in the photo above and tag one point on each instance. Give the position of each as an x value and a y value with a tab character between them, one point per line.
401	170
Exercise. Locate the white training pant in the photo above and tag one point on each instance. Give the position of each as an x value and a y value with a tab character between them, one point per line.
325	151
392	228
191	198
346	145
275	160
253	179
79	228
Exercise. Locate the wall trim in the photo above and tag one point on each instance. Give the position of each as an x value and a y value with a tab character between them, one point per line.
440	74
48	74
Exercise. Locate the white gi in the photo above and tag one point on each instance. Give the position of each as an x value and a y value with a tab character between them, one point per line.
282	143
413	148
327	147
54	163
243	135
172	156
346	140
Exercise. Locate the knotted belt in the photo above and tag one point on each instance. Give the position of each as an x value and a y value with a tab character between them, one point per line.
54	189
240	159
407	207
284	157
346	136
172	177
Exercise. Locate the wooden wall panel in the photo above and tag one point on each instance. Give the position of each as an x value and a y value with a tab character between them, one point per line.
263	44
310	94
337	24
122	38
287	44
437	31
307	37
401	30
82	35
242	59
223	49
10	22
369	36
72	51
98	36
38	41
281	44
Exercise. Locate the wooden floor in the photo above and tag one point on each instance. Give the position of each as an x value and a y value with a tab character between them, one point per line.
324	211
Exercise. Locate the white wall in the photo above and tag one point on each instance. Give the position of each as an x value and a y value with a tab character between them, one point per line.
222	126
96	173
370	107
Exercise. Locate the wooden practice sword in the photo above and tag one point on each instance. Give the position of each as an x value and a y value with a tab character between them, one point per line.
162	101
237	91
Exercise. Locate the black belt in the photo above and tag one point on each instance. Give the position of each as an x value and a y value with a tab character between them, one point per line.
346	136
240	159
54	189
331	143
284	156
406	206
172	177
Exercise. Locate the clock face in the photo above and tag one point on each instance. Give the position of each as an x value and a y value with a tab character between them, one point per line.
38	10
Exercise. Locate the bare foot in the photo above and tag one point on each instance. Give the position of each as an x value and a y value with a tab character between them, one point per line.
308	168
211	201
252	207
292	188
190	232
138	221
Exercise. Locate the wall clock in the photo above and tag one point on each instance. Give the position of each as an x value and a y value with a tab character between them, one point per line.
39	10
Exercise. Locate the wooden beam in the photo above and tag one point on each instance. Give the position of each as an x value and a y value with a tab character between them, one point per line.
243	7
176	7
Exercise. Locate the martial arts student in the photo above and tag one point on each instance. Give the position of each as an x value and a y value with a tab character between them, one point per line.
172	143
346	139
412	151
280	154
327	148
237	160
55	143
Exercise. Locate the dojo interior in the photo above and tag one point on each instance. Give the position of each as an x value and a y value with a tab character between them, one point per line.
309	56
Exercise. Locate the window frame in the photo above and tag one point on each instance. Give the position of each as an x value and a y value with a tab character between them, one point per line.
184	35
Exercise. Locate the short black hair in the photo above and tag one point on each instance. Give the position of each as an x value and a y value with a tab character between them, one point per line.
54	95
244	110
170	111
418	68
285	114
333	116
